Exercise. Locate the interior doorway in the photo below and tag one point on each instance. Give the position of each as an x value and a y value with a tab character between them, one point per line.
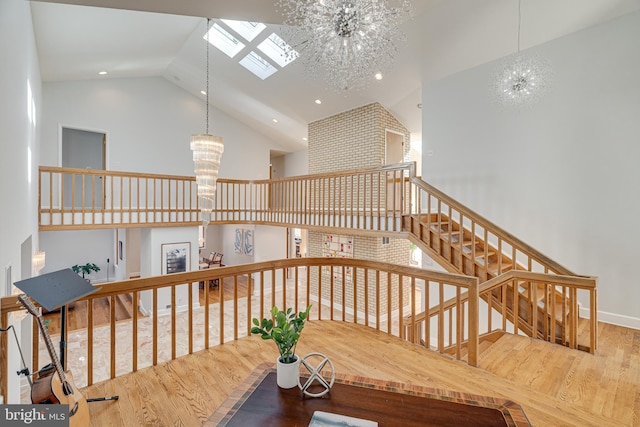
83	149
393	147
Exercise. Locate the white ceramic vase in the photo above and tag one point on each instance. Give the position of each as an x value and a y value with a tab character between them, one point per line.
287	373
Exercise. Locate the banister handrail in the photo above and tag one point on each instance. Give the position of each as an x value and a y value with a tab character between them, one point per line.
82	171
10	303
498	231
408	166
578	282
378	289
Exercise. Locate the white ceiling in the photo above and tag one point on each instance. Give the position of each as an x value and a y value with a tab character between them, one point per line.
164	38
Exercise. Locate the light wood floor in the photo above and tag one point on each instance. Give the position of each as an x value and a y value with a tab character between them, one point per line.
556	386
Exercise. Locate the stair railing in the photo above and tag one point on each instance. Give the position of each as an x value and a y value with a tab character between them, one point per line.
436	221
554	316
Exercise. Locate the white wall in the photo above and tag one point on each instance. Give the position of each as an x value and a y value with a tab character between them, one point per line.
67	248
151	241
20	113
148	122
562	175
296	164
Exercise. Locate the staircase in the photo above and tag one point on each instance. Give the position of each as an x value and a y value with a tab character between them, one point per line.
534	294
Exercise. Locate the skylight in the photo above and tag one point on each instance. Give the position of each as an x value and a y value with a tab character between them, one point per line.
258	65
223	40
247	29
274	47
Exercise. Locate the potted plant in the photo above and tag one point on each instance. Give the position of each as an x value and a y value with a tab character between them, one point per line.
284	328
85	269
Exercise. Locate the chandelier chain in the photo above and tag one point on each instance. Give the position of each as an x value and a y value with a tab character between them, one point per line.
519	22
207	79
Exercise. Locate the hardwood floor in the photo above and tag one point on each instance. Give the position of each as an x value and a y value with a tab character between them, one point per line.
556	386
77	313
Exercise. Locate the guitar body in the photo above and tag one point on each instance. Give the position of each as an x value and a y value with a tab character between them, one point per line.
49	389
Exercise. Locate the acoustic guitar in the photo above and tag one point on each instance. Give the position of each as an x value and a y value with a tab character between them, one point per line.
54	385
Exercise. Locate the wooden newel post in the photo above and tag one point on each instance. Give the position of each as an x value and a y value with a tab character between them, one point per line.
474	318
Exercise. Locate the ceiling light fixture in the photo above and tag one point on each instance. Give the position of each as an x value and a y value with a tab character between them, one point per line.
207	151
318	101
344	41
102	73
378	76
523	77
275	120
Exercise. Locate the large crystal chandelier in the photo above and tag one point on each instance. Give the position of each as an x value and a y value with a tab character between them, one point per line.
523	77
346	42
207	151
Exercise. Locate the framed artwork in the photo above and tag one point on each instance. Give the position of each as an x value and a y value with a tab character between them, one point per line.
336	246
175	257
248	242
237	244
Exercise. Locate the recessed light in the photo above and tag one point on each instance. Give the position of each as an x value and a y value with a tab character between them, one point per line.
304	138
275	120
378	76
102	73
318	101
203	92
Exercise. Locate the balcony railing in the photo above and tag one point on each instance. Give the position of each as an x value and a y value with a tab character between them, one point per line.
369	200
376	294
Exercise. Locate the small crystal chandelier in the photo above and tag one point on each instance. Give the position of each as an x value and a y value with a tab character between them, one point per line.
523	78
344	41
207	151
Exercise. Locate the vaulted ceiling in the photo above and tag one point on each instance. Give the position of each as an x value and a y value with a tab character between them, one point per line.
78	38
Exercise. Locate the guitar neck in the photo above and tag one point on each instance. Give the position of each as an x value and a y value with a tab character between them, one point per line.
55	361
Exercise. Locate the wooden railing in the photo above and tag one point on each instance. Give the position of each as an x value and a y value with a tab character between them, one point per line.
388	199
369	200
86	199
375	294
546	306
507	305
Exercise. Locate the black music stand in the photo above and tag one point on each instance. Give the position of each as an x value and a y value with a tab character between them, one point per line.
56	290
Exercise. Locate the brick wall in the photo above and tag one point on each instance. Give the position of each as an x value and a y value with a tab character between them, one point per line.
350	140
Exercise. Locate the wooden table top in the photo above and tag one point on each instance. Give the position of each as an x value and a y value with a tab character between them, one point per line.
259	401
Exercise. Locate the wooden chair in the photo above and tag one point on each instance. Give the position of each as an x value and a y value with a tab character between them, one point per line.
216	259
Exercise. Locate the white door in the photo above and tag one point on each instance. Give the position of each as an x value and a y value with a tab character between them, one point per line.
85	150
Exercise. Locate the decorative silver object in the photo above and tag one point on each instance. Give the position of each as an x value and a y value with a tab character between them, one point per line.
316	375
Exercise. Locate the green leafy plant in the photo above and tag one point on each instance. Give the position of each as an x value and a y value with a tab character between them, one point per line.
85	269
284	329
